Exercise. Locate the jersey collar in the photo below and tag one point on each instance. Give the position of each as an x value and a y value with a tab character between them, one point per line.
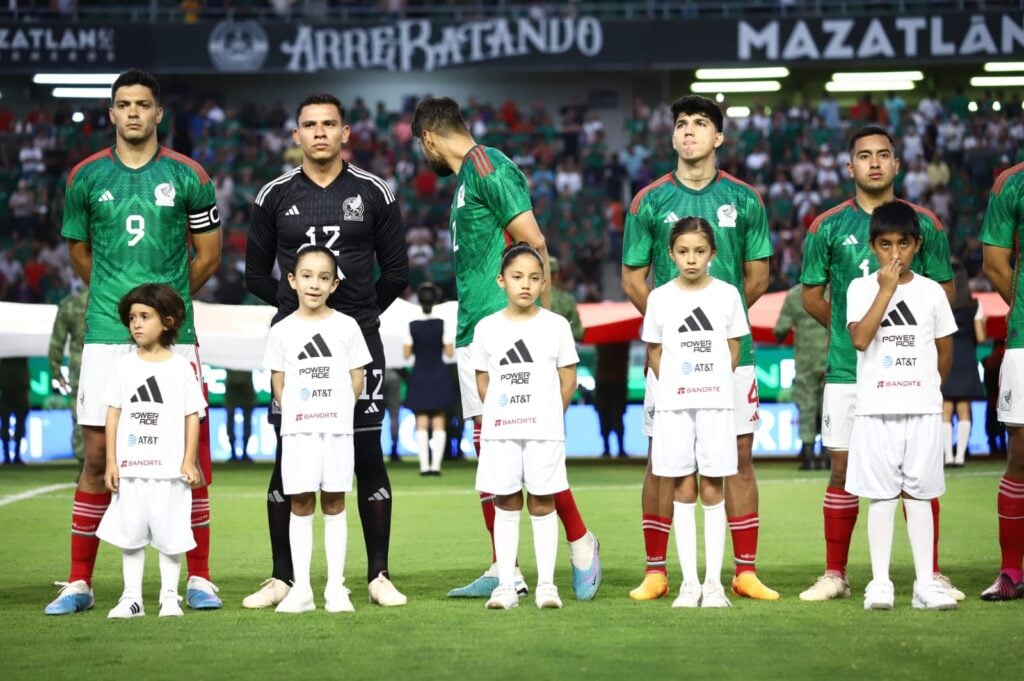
309	180
120	164
697	192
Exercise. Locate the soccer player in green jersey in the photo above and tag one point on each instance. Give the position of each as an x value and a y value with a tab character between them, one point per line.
131	211
736	213
837	251
1002	234
491	206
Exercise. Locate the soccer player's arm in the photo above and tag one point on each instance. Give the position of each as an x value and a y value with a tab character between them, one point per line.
207	247
997	235
945	327
111	478
738	328
76	227
188	465
508	197
58	338
757	244
937	264
524	227
392	256
479	358
814	276
358	376
273	359
566	361
277	385
204	228
260	253
637	251
359	354
576	324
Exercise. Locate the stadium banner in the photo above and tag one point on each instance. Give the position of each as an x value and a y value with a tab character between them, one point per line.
551	43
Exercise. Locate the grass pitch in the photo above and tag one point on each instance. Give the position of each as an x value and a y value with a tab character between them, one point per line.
438	542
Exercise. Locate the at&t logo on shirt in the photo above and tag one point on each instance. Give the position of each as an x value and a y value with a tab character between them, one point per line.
132	440
304	394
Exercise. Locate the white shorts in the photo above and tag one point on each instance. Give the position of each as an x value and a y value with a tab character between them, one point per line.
316	461
505	466
97	358
745	401
1010	406
893	454
838	403
147	511
468	393
691	441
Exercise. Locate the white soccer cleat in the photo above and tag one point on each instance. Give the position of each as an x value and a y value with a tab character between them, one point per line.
299	599
384	593
270	593
170	604
713	595
827	587
689	596
126	608
932	596
503	598
879	595
954	593
336	598
546	596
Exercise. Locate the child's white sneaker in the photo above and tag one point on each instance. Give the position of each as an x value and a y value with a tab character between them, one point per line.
879	595
932	596
713	595
689	596
547	596
383	592
336	598
170	604
504	597
299	599
126	608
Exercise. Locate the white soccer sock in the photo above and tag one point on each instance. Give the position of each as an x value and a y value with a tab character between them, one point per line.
581	551
947	442
684	520
714	541
881	514
422	451
300	538
506	544
437	443
335	545
963	434
133	563
170	573
545	545
921	533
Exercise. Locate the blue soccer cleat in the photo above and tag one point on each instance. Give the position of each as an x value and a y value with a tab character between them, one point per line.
585	583
201	594
485	584
73	597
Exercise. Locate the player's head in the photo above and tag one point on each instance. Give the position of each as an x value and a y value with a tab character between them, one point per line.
320	129
153	313
522	274
873	163
135	107
697	128
314	276
427	294
691	245
895	233
437	119
696	105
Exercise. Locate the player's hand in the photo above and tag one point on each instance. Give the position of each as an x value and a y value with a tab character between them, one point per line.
111	479
193	476
889	275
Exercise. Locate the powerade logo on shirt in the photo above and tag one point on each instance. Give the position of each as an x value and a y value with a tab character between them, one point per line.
516	378
316	372
901	340
696	346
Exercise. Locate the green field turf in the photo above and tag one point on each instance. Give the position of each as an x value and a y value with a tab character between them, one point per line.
439	542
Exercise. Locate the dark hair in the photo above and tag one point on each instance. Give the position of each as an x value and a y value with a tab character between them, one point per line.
517	249
869	131
695	104
162	298
136	77
311	249
439	115
690	225
427	295
961	286
319	98
894	217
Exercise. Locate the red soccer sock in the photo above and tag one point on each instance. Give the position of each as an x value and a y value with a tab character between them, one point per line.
86	514
840	510
487	506
569	514
656	531
199	557
744	541
935	535
1010	504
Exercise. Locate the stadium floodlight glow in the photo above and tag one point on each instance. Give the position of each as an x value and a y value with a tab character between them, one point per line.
996	106
876	77
972	107
738	112
1003	66
81	92
74	78
707	86
743	74
77	117
867	86
997	81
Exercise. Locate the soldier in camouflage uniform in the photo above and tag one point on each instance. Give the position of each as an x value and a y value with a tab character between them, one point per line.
69	327
810	348
563	304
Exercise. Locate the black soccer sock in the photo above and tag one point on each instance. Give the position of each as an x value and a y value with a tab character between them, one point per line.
279	509
374	494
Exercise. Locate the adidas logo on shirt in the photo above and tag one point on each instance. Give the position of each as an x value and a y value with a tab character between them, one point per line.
850	241
697	321
517	354
671	218
372	409
315	348
294	210
148	392
900	316
106	196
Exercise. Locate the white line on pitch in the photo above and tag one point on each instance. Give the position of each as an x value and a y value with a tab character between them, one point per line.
38	491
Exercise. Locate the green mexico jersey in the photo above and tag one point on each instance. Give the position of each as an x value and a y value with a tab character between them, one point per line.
837	251
137	221
1004	227
735	212
491	191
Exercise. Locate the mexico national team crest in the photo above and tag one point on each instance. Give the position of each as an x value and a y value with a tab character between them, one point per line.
164	194
460	196
353	208
727	215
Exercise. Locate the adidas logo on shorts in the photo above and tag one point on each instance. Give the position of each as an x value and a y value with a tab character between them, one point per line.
372	409
148	392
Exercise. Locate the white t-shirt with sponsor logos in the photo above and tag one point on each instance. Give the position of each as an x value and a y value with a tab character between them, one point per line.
694	328
154	399
316	357
899	373
522	358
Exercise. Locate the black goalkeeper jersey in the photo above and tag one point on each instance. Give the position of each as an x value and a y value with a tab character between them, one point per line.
356	217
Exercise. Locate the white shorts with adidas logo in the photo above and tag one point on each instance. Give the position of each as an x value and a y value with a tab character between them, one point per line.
147	511
316	461
1010	405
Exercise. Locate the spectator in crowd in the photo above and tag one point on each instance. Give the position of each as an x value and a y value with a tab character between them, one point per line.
14	404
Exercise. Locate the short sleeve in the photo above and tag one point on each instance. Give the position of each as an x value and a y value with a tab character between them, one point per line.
112	390
192	391
273	356
651	332
1001	217
478	349
857	302
76	210
757	241
567	355
507	192
945	322
738	326
936	260
358	352
815	269
201	203
638	237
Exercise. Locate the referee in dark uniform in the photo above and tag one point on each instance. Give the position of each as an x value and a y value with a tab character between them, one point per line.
329	202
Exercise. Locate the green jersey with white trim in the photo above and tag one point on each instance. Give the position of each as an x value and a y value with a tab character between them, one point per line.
1004	227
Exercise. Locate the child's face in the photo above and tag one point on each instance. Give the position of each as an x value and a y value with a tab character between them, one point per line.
523	281
314	280
692	254
890	246
145	324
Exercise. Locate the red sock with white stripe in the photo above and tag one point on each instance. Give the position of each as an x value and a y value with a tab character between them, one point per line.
486	498
199	557
1011	526
86	514
656	531
744	541
840	510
